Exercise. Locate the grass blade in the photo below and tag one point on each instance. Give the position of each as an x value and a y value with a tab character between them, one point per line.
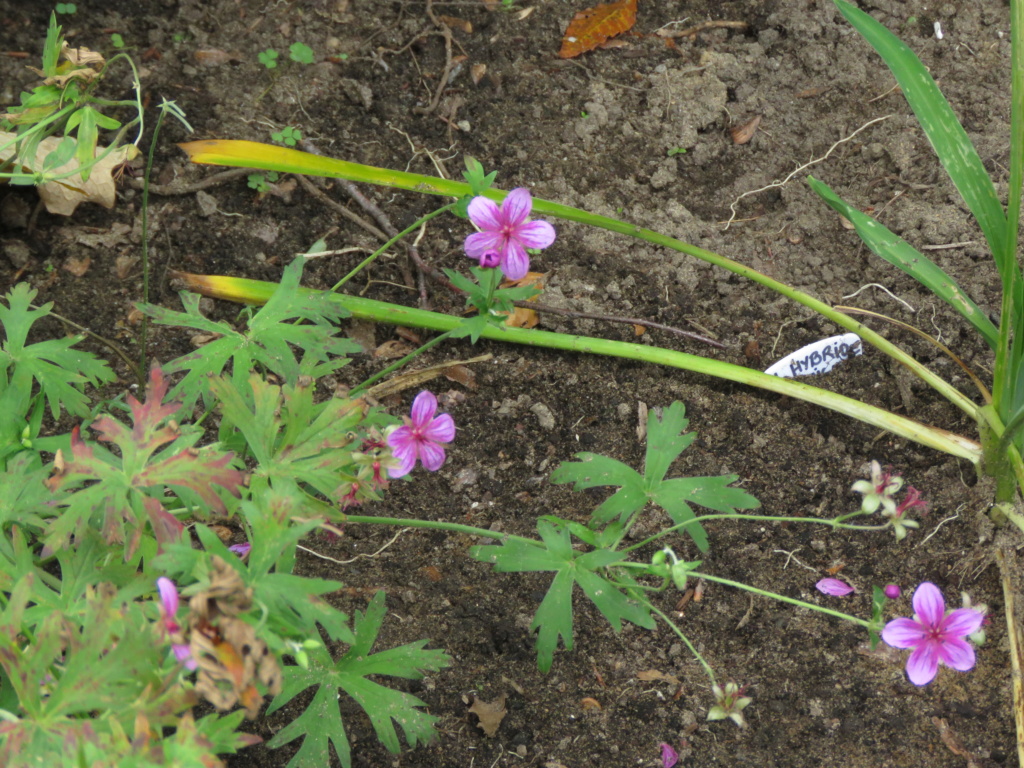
900	253
940	124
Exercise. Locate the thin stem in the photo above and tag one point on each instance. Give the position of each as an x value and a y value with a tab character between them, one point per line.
399	363
679	633
259	292
782	598
369	259
831	523
438	526
144	331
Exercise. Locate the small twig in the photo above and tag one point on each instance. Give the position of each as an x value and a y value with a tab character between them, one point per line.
882	287
334	205
702	27
168	190
136	371
353	559
734	203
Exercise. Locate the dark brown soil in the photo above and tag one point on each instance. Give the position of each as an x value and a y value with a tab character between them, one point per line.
597	133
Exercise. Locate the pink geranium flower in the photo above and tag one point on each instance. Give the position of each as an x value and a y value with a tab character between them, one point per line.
936	636
421	437
169	600
505	233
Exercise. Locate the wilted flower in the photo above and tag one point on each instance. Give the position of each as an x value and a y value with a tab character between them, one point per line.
669	757
834	587
879	490
729	703
935	635
892	591
505	233
900	523
242	550
421	436
168	609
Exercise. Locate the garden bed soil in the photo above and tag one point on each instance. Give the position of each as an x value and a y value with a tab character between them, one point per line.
604	132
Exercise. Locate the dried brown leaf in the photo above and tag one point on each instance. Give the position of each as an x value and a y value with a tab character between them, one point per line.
742	134
489	713
593	26
456	23
477	72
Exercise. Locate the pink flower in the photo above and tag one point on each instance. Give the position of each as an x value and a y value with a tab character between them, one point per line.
935	635
242	550
169	598
669	757
505	233
892	591
834	587
421	436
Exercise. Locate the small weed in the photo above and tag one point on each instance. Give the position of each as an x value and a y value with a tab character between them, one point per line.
300	53
677	151
68	8
268	58
261	181
288	136
117	41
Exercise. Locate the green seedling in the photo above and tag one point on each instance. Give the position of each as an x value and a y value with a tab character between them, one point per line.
268	58
288	136
300	53
66	8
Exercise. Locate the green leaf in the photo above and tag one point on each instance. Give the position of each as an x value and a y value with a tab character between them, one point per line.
301	53
553	619
900	253
60	371
272	334
665	441
956	153
294	441
594	470
321	724
156	456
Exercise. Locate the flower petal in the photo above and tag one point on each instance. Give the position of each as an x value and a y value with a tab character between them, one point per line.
834	587
479	243
441	429
485	213
957	654
929	604
960	622
923	664
515	263
516	207
400	440
423	409
432	456
406	462
536	234
903	633
168	595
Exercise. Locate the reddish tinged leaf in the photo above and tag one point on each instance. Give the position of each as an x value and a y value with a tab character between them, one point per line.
594	26
131	485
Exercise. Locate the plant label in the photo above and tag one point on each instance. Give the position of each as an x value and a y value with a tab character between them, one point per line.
819	357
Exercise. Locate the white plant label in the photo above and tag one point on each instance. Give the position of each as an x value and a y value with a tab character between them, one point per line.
819	357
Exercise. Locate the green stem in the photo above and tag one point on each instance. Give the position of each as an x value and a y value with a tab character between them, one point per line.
144	331
782	598
411	228
259	292
671	625
438	526
398	364
831	523
255	155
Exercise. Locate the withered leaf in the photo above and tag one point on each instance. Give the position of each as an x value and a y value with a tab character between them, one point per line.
742	134
592	27
489	713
